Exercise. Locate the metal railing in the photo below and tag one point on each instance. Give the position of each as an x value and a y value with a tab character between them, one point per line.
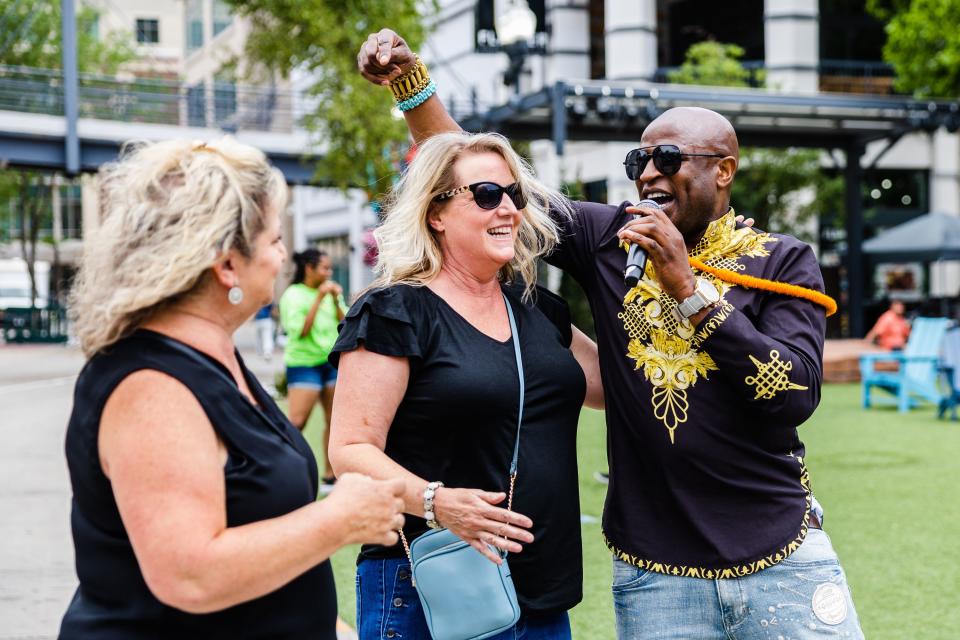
755	73
857	76
223	105
843	76
34	325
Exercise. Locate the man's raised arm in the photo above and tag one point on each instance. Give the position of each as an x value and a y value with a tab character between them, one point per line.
383	58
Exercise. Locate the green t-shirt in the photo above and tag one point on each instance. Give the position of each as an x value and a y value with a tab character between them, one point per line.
314	349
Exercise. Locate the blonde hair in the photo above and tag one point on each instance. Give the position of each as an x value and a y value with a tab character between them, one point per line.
409	250
170	210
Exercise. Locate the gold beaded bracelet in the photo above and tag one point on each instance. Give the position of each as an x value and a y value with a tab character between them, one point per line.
411	83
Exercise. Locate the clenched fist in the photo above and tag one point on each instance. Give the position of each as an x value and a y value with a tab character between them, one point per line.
372	509
384	56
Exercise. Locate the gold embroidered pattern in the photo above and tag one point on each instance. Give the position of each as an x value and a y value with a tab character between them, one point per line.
712	324
772	377
737	571
665	348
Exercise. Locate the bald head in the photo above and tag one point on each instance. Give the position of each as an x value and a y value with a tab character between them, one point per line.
696	190
696	127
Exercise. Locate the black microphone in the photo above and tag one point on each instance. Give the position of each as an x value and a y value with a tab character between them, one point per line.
637	257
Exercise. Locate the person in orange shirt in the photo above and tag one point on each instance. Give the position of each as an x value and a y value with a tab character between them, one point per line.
892	329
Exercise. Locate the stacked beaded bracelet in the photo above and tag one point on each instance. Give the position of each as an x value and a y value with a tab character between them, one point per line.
413	88
418	99
411	83
428	495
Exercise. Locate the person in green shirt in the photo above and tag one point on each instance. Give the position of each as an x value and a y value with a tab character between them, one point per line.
310	310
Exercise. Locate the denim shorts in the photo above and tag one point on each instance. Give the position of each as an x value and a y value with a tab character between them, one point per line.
803	597
315	378
388	608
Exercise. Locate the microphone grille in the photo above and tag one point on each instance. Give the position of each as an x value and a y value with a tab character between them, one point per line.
647	203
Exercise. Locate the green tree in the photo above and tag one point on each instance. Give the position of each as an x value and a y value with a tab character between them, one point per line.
359	138
712	63
782	189
31	36
923	44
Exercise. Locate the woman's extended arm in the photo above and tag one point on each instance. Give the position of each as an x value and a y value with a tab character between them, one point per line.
370	387
585	351
165	464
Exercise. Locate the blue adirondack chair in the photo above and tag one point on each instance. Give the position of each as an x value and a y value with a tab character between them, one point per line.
917	377
950	370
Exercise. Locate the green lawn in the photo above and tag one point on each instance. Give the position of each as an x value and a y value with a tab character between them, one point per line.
888	483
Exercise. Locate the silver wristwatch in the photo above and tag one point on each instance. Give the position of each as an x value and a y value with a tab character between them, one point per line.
704	295
428	495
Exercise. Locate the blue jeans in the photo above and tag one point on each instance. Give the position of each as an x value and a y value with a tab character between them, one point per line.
388	607
803	597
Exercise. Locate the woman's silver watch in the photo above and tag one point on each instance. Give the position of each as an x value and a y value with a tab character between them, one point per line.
428	495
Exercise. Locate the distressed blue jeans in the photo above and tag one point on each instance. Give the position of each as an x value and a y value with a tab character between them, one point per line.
803	597
388	608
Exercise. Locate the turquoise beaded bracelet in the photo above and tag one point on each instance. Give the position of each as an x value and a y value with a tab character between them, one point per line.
418	99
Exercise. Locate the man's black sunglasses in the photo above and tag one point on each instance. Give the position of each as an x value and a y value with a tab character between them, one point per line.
667	158
488	195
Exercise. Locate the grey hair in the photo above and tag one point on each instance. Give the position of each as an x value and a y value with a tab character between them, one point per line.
170	210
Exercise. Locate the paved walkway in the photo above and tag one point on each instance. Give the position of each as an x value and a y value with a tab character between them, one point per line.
37	576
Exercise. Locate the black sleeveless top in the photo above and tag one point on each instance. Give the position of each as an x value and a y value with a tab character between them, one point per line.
270	471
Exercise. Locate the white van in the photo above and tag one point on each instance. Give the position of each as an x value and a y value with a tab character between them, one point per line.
15	283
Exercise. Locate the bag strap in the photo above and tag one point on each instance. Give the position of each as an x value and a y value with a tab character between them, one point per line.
515	338
516	444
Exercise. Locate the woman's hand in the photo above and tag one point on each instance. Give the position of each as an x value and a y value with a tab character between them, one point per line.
473	516
329	287
372	509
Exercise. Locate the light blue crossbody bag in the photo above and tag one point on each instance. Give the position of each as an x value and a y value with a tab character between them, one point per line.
464	595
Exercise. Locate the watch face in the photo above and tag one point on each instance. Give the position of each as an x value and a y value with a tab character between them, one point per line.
708	290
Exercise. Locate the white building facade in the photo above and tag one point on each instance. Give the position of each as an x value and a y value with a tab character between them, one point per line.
636	40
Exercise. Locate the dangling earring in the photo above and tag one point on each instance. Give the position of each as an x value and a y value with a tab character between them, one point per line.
235	295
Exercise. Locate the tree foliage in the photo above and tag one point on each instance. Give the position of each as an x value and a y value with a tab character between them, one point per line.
782	189
923	44
31	35
358	137
712	63
785	189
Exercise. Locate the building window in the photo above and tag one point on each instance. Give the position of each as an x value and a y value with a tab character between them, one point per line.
194	24
683	23
71	211
197	105
222	16
93	27
598	53
148	31
224	100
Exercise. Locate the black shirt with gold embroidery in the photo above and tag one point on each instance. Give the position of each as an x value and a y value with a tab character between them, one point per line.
707	477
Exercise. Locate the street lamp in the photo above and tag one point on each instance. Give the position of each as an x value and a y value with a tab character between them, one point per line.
516	26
